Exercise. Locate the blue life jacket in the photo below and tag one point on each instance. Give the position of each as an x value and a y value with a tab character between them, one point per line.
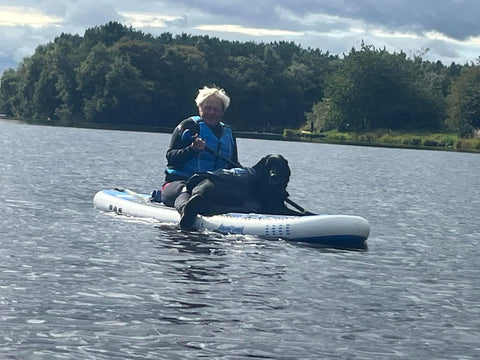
205	161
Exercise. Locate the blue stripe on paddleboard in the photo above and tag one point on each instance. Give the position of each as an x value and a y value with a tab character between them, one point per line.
337	241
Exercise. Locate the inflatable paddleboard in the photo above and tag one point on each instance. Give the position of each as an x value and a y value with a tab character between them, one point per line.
333	230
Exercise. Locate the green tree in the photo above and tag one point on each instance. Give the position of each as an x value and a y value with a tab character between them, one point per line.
126	94
9	101
464	102
249	108
67	58
184	68
374	89
91	79
109	34
37	94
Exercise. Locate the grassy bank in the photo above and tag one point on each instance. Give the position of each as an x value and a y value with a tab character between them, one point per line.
431	141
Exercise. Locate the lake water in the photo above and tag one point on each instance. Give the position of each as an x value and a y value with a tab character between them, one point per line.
77	283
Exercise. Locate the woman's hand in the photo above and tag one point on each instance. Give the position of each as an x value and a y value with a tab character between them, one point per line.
198	144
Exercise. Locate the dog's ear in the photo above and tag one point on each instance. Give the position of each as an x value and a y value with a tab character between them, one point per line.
259	167
285	161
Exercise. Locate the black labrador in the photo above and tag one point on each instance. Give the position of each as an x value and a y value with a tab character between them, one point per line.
259	189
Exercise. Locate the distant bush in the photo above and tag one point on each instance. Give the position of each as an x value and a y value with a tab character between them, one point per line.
337	136
416	141
412	140
289	133
467	144
390	139
429	142
445	140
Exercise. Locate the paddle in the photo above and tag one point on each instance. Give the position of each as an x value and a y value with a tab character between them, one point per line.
187	138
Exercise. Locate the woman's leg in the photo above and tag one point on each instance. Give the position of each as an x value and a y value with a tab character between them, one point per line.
171	191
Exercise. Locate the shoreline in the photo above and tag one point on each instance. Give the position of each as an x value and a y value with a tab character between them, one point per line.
288	135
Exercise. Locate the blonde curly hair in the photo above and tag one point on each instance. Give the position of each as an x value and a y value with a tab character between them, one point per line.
206	92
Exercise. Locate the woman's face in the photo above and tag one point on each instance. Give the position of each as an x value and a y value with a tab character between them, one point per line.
211	110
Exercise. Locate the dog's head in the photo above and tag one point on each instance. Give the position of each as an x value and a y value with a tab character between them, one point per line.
273	173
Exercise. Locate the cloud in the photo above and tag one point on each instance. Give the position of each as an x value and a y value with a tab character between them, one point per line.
19	41
449	28
455	18
16	15
152	20
228	28
91	13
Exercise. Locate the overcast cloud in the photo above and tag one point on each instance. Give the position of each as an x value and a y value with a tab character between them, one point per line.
449	29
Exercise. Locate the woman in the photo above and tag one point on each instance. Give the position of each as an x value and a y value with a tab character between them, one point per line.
187	155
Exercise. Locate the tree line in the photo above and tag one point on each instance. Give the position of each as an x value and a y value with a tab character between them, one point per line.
114	74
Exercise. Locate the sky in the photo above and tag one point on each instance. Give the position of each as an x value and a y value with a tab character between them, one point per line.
445	30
